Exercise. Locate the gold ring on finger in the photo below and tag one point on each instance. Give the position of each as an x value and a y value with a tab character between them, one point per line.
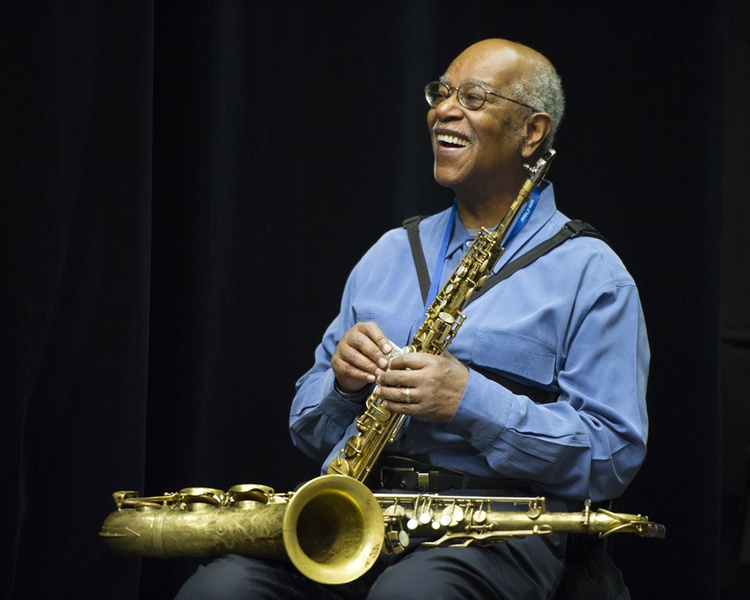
407	395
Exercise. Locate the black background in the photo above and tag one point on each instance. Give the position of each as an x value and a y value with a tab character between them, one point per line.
185	187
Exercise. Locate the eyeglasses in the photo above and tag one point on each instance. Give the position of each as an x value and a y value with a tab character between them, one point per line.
471	95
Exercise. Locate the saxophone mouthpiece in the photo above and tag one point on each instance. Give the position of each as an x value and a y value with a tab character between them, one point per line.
539	170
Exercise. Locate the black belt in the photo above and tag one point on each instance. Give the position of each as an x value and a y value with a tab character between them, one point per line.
416	480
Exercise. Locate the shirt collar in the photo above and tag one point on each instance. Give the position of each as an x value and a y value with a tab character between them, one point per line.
461	238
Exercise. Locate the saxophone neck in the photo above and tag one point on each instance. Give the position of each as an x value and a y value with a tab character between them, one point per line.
535	178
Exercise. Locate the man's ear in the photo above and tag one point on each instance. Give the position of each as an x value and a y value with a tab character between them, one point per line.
538	127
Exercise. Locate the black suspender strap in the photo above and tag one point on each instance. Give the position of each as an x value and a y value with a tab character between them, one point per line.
412	230
570	230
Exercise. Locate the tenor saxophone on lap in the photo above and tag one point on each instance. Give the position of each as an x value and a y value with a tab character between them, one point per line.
333	527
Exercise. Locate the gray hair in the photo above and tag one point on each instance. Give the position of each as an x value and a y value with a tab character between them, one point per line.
543	90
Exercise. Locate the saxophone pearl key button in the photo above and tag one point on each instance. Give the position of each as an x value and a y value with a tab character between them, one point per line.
403	538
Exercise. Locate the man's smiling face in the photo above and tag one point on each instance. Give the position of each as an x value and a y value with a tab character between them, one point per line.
478	151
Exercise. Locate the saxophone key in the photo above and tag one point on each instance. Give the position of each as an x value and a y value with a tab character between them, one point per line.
354	446
247	495
480	515
200	498
425	512
404	538
391	544
394	511
380	413
396	541
452	515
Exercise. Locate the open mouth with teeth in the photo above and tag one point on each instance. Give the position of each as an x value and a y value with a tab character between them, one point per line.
450	141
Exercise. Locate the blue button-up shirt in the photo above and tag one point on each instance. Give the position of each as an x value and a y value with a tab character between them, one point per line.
569	322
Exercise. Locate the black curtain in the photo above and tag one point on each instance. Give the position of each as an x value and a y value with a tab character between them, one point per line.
76	200
185	187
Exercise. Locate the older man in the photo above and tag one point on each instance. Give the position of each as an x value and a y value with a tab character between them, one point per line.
544	388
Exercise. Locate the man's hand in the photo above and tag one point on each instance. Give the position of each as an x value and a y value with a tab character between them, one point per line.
360	356
423	385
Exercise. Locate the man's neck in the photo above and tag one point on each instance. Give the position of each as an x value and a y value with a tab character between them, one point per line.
474	215
478	209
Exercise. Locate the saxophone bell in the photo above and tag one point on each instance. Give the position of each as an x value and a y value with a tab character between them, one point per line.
331	528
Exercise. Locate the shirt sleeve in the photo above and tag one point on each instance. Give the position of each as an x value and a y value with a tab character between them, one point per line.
320	415
378	288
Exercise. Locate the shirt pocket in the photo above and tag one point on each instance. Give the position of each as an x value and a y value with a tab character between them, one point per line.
522	358
398	330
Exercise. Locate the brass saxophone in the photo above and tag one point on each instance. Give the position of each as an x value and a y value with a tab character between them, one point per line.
333	527
378	426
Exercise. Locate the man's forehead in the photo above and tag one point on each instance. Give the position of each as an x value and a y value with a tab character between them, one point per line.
488	73
448	81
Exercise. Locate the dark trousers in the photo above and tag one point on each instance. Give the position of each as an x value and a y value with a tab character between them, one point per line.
528	568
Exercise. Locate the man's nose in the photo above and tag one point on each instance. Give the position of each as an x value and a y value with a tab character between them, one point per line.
449	108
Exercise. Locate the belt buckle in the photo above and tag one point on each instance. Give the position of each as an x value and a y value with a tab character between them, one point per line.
403	476
423	481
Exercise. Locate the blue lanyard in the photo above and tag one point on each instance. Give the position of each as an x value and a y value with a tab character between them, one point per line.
517	227
525	215
438	270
